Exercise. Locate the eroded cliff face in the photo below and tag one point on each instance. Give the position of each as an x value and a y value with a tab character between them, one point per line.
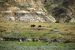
22	4
45	10
35	4
61	10
27	11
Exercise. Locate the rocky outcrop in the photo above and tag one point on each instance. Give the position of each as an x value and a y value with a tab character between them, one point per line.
61	10
27	11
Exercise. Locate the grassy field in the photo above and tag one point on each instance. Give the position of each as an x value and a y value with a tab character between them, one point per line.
47	30
50	30
35	46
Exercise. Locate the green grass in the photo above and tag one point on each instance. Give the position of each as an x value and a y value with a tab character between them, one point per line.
20	29
35	46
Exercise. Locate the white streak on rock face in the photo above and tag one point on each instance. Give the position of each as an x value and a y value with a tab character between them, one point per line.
8	17
72	20
51	18
31	18
40	12
12	18
22	11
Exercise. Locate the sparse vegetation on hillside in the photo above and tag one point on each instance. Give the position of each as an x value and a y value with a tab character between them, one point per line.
33	32
60	6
